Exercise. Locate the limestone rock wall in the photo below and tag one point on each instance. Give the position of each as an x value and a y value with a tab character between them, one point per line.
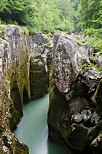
38	78
23	77
75	79
14	78
75	110
39	65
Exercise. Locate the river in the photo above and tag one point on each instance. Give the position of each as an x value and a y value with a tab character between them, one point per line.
33	130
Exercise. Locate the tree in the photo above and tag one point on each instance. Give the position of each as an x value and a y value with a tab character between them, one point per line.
38	15
91	13
66	15
76	15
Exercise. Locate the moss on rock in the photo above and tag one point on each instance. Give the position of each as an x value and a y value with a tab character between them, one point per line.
14	78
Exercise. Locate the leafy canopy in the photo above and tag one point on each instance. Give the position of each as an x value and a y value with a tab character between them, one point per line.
38	15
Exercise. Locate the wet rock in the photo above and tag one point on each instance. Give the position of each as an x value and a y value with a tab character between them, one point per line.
78	137
92	78
95	119
98	96
77	118
99	60
77	105
86	115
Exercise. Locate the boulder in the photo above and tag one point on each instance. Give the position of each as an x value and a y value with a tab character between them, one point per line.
99	60
39	38
95	119
78	137
77	118
86	115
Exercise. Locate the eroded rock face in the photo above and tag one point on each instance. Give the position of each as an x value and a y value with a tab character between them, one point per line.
14	78
38	78
23	77
39	65
66	62
75	110
75	96
39	38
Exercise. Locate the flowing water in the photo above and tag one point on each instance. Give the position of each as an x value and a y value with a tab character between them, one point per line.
33	130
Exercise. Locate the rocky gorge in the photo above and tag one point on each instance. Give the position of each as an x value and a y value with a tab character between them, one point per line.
21	72
29	64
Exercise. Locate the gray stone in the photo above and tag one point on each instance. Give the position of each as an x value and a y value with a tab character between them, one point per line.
99	60
86	115
39	38
77	118
95	118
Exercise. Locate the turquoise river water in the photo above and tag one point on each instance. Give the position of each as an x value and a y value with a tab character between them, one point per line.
33	130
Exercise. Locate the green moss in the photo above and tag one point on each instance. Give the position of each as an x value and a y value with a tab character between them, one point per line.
78	137
7	82
99	136
32	57
70	93
97	89
98	69
87	66
24	29
98	96
51	86
35	65
20	74
49	44
20	148
96	144
2	27
1	40
93	59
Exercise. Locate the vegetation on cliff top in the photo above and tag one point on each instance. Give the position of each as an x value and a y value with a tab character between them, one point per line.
91	22
50	15
38	15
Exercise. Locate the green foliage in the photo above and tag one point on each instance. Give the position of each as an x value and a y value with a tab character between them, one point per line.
76	14
87	66
98	69
94	42
38	15
3	5
91	22
97	33
91	13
